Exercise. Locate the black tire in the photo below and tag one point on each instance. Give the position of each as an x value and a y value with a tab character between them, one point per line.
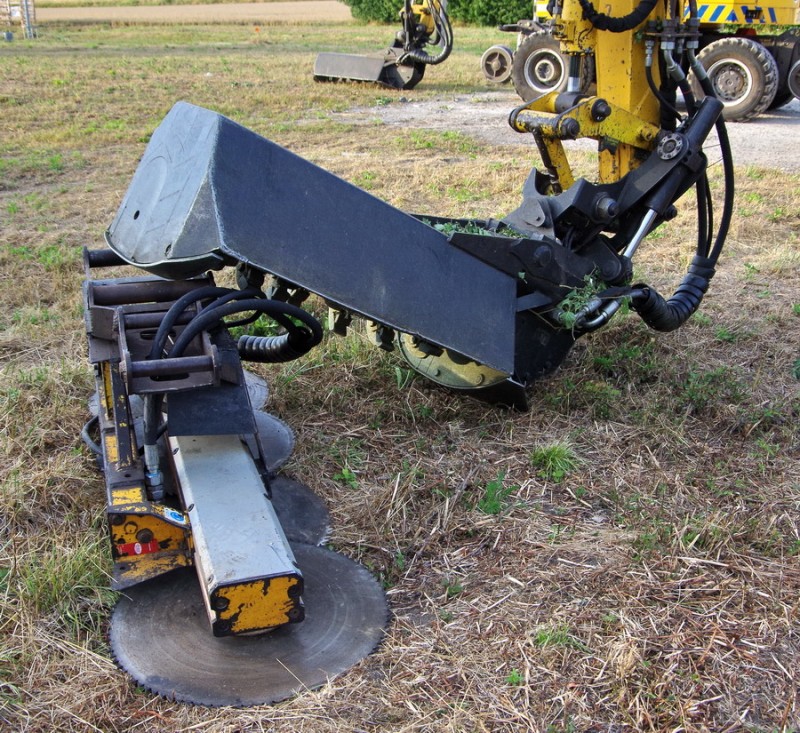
783	97
539	67
744	76
793	79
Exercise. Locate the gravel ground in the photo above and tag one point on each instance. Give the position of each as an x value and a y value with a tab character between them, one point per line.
769	141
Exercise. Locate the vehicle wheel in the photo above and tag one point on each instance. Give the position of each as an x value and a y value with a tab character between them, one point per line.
783	97
496	64
539	67
794	79
744	76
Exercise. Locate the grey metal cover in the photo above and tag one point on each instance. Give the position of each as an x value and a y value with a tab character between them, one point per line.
348	66
208	192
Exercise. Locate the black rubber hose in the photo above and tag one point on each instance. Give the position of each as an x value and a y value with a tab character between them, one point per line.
276	349
445	31
252	292
151	417
87	438
623	24
727	168
668	315
175	311
663	101
280	312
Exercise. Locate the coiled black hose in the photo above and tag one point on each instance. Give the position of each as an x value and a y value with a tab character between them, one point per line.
445	31
310	333
175	311
298	341
668	315
628	22
276	349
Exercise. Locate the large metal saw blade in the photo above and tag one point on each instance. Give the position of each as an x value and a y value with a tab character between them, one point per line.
160	635
302	514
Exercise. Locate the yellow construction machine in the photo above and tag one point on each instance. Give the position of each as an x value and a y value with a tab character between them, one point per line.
228	597
426	25
751	53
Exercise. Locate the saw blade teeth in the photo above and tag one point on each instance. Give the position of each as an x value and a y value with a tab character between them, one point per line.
160	636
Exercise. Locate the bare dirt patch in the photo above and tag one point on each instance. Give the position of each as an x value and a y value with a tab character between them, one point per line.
303	10
765	142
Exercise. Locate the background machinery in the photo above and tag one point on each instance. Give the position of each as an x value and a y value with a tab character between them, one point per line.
750	53
402	65
217	553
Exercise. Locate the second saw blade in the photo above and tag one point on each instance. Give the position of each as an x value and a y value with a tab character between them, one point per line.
302	514
276	439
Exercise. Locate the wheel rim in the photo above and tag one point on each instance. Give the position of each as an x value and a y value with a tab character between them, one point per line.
794	79
497	64
732	80
544	70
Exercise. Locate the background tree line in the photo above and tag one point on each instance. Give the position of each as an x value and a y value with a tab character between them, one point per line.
476	12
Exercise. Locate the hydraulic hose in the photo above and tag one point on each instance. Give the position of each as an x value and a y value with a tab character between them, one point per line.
276	349
727	159
623	24
668	315
445	31
280	312
175	311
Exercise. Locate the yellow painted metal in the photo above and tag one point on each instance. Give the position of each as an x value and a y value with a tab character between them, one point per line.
147	540
711	15
249	607
111	448
122	495
621	81
574	33
620	128
778	12
625	135
423	13
448	369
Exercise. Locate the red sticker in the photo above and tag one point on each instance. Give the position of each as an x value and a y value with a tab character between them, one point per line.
138	548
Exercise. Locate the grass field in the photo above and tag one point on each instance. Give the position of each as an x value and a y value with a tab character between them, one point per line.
623	557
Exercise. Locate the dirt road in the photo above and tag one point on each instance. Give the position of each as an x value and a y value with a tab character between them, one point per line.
769	141
318	10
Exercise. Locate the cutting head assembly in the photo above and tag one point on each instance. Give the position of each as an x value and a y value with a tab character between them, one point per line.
227	597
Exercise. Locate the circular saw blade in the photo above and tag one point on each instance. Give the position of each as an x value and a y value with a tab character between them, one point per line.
160	635
302	514
276	439
257	389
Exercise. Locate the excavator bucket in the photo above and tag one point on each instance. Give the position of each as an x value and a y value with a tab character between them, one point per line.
209	192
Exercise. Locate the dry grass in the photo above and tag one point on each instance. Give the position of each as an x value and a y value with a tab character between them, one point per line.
652	585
